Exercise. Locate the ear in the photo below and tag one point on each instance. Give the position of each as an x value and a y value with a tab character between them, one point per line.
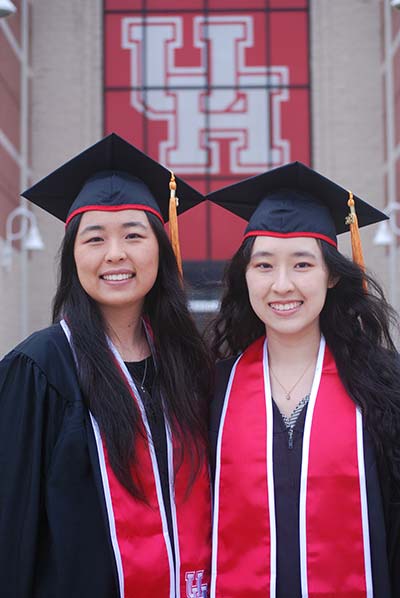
332	282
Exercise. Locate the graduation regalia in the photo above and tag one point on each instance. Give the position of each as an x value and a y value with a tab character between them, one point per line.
316	516
68	527
287	461
56	536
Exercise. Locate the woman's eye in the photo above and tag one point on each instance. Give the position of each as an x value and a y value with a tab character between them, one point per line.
94	240
302	265
133	236
263	266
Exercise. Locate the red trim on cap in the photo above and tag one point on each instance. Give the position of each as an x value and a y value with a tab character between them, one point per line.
265	233
119	208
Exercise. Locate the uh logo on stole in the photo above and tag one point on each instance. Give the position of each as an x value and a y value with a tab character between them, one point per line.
195	588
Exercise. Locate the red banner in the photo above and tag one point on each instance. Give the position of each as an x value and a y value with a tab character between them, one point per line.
216	95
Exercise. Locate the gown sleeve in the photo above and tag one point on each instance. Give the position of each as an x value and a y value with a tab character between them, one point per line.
391	496
394	545
394	522
31	414
390	489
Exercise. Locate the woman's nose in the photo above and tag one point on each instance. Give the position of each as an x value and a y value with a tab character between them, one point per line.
115	252
282	281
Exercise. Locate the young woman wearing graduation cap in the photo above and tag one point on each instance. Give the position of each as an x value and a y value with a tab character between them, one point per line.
104	478
305	423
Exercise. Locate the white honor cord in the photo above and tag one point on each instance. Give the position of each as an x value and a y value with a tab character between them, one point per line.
170	455
214	560
270	471
304	468
364	505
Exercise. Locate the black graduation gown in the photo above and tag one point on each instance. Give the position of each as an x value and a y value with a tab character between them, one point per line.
54	538
384	535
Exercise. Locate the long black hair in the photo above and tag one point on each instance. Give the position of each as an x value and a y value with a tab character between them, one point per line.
236	326
357	328
183	363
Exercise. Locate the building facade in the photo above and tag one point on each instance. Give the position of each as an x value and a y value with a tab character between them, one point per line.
217	90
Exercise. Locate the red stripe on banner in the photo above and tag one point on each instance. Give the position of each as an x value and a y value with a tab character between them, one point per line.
244	548
119	208
334	535
266	233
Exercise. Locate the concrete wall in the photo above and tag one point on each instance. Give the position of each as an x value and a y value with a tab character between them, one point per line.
347	106
67	114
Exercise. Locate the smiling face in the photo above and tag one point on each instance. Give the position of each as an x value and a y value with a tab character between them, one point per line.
116	256
287	281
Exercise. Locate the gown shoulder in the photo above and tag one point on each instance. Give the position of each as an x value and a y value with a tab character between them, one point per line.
46	352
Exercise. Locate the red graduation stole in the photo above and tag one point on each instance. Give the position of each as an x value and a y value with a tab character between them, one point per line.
333	526
149	567
146	564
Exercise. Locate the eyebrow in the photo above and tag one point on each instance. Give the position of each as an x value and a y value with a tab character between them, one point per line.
258	254
134	223
99	227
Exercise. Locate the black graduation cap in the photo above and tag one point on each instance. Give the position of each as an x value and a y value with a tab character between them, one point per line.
294	200
110	175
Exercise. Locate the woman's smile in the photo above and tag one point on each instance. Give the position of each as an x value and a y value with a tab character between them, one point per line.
117	276
285	308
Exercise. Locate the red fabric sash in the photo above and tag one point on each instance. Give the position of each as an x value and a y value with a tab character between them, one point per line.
333	527
142	534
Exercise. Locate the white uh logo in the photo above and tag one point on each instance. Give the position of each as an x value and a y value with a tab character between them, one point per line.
194	586
242	113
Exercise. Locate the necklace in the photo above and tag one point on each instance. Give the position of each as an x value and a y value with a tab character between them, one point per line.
144	375
288	392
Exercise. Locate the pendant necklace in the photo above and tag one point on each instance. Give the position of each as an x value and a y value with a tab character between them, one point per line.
144	376
288	392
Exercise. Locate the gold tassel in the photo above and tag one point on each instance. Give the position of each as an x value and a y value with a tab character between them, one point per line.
173	223
356	246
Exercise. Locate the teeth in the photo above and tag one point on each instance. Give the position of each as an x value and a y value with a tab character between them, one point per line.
285	306
117	276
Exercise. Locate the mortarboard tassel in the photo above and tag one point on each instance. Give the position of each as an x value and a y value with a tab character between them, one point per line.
356	246
173	222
